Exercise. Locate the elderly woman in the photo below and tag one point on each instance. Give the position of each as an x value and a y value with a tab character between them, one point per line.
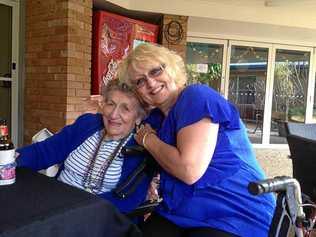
206	158
90	149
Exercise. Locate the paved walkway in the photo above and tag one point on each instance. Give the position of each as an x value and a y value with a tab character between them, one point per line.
275	162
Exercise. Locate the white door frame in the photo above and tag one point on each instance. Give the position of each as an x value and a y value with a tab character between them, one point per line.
311	78
15	4
266	121
311	92
308	114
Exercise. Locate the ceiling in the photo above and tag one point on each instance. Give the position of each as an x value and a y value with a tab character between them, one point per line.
292	13
286	3
150	17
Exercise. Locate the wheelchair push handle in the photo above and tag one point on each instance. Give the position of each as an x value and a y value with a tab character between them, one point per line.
277	184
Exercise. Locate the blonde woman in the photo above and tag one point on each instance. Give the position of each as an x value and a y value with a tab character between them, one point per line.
202	146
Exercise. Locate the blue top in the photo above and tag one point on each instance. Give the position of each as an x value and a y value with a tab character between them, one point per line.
219	199
56	149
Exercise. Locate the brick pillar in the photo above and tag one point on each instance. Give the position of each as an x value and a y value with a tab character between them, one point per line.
57	61
174	33
79	56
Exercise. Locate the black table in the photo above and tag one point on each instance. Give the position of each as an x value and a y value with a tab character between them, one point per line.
39	206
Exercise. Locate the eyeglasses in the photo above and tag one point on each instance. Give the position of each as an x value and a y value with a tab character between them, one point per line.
153	73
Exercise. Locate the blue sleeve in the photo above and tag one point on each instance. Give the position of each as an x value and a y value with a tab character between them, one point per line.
199	101
155	119
55	149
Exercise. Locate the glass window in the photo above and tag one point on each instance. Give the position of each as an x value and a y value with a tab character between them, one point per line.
204	64
289	91
247	85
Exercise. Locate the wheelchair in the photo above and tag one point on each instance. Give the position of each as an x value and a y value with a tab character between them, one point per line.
295	212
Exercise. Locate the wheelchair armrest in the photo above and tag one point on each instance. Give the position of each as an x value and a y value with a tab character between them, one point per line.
135	150
147	167
145	208
151	164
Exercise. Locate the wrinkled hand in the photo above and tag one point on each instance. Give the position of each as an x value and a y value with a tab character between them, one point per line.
93	104
152	192
142	132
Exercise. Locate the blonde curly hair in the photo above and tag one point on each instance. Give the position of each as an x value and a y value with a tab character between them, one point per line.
146	55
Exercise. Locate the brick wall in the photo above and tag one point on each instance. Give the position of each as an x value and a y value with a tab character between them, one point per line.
58	61
174	33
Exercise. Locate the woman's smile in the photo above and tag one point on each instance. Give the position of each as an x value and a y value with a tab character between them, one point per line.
157	90
119	114
114	123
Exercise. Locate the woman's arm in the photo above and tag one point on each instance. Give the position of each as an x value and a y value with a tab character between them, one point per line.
189	160
43	154
56	148
93	104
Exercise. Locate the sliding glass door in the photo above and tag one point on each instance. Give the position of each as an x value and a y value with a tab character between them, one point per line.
8	65
289	97
5	62
247	86
269	84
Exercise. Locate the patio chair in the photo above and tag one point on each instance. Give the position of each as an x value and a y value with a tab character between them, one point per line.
301	129
259	120
301	139
41	136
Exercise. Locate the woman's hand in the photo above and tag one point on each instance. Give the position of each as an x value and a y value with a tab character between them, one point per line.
152	193
142	133
93	104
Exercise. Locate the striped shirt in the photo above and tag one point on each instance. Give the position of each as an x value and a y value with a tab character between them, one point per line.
77	163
